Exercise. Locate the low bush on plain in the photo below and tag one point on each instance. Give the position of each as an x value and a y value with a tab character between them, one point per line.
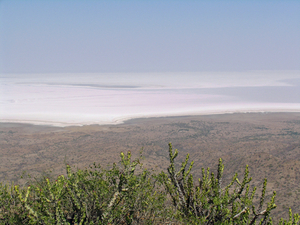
127	193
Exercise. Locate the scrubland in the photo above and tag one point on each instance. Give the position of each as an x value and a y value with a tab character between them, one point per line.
268	142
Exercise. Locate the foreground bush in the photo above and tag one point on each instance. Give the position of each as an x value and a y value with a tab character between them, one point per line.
91	196
209	202
121	195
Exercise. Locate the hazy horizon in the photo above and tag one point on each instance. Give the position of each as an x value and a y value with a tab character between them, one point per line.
102	62
148	36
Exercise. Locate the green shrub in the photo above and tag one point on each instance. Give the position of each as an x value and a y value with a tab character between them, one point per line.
91	196
121	195
209	202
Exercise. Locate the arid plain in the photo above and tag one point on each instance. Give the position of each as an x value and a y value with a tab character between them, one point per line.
268	142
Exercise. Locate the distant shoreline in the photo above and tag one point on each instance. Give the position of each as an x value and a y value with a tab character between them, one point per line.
62	100
134	120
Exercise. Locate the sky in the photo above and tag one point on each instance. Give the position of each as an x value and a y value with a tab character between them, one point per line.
71	36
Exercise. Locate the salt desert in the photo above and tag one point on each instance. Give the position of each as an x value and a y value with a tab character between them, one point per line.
112	98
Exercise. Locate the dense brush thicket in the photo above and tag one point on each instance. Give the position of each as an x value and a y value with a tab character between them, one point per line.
121	195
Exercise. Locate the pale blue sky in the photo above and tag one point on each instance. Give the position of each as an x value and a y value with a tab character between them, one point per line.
148	36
